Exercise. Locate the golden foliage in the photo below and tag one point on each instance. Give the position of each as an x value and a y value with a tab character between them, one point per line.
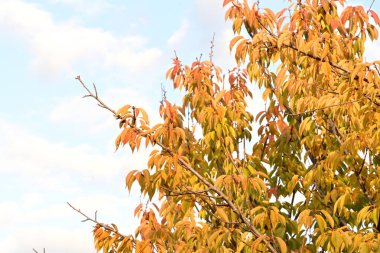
308	181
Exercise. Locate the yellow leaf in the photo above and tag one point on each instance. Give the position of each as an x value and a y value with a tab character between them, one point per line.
118	141
144	115
257	242
222	214
281	77
321	223
339	204
328	217
282	245
292	183
234	40
123	110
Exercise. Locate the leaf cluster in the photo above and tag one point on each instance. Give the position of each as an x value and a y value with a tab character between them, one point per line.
306	181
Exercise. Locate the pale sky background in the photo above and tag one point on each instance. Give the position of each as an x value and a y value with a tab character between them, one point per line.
57	147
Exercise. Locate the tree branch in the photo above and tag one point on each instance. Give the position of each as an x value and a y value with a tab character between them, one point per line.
189	192
326	107
188	167
37	251
238	170
95	96
291	46
370	7
234	208
362	182
104	226
310	55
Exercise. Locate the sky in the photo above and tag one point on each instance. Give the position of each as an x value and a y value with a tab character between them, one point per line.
55	146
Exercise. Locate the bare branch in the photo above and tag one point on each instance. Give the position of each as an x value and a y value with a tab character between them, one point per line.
211	55
37	251
104	226
96	92
377	69
370	7
163	94
95	96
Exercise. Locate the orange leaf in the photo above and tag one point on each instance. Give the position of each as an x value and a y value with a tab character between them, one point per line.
234	40
281	12
226	2
137	209
335	24
375	16
123	110
144	115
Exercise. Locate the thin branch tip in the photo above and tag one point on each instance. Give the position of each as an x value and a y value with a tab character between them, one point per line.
95	96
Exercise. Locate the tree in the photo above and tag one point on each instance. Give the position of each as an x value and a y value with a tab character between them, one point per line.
307	181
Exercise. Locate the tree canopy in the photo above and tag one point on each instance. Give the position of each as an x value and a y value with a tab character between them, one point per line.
306	181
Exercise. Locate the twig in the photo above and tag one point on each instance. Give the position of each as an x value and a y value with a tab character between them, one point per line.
361	181
163	94
37	251
370	7
377	69
189	192
238	170
95	96
105	226
212	47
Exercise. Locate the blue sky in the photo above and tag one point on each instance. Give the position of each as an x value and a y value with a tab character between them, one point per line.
57	147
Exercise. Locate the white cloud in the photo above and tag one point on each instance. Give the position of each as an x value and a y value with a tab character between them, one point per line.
27	160
13	213
58	46
27	155
58	240
85	6
82	114
211	12
178	36
32	225
45	175
42	227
